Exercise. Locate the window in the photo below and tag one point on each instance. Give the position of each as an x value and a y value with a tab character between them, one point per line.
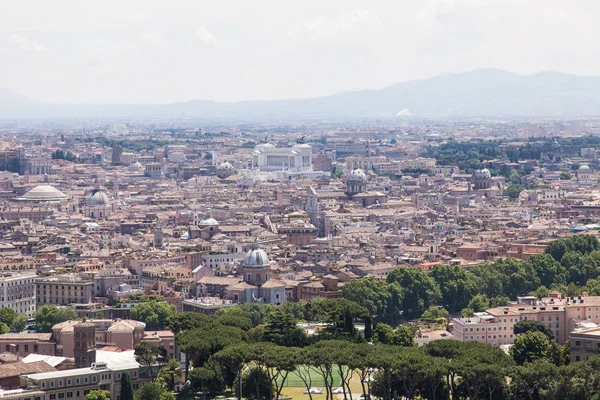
85	380
78	393
68	382
119	374
577	343
588	344
94	378
577	358
52	396
61	395
69	395
77	383
43	385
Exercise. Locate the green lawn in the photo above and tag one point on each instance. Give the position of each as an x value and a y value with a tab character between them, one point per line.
317	380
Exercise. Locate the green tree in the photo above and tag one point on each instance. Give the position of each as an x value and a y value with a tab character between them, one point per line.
18	324
371	293
188	320
169	373
8	315
154	390
150	356
500	301
513	191
49	315
200	344
281	329
479	303
457	286
514	177
534	380
529	347
419	290
526	326
153	313
126	387
565	176
234	316
98	395
208	378
467	312
385	334
433	313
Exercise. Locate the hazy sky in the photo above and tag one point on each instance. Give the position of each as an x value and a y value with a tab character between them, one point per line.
150	51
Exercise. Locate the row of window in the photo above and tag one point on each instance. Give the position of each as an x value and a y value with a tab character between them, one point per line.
86	380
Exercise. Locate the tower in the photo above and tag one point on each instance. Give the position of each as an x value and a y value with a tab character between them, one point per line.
84	350
158	237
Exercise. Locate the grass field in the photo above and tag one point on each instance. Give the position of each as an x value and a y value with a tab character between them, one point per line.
294	387
317	380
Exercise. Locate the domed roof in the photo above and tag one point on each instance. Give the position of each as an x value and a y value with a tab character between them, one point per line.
44	193
357	175
136	165
98	198
584	168
207	221
256	257
302	146
225	166
482	173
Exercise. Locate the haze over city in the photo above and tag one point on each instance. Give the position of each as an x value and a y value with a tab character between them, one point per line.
276	200
140	52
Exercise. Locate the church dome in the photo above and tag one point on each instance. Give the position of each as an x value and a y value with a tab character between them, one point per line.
207	221
225	166
256	257
44	193
98	198
136	166
584	168
482	173
357	175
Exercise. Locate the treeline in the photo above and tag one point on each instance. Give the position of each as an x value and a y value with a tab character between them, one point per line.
570	266
264	347
63	155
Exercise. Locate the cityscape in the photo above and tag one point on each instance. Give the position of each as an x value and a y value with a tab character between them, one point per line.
201	202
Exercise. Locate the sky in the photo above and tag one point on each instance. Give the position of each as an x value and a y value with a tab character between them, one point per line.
150	51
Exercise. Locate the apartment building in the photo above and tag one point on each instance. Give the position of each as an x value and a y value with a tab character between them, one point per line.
18	291
584	341
63	290
495	326
75	384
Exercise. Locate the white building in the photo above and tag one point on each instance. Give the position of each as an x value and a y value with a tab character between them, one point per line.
297	158
18	291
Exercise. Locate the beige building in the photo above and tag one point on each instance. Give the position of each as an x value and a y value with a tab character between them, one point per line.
63	290
495	326
584	342
75	384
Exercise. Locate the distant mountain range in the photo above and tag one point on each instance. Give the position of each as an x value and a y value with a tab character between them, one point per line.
478	93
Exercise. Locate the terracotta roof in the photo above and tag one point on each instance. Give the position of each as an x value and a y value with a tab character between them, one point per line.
19	368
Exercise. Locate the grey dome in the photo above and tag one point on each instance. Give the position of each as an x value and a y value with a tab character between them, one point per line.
357	175
44	193
256	257
584	168
225	166
97	198
483	173
206	221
